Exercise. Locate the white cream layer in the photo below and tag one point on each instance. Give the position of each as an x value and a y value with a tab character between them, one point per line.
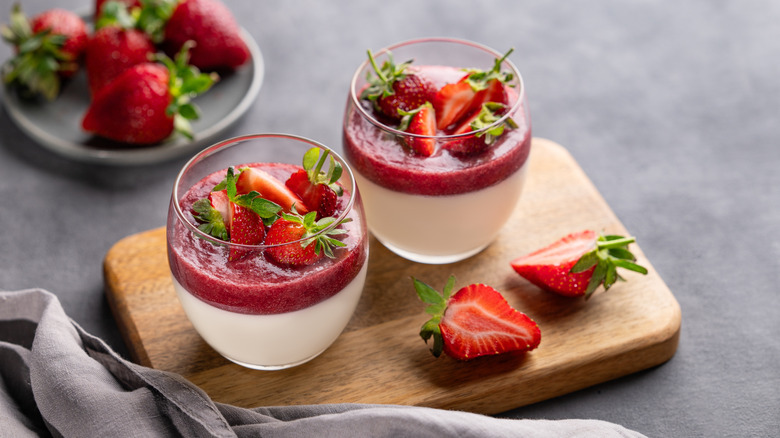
273	341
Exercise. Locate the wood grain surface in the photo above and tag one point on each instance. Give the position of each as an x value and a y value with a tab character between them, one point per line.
380	357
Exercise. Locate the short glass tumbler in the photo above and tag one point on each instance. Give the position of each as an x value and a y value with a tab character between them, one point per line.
254	311
445	207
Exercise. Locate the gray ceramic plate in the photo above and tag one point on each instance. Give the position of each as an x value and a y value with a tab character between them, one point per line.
57	125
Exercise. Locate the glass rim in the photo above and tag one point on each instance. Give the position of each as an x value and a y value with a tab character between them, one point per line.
210	150
366	115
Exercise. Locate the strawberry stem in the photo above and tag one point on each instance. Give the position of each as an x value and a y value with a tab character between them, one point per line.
615	243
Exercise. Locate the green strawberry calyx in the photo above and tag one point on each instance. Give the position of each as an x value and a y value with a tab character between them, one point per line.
313	162
34	70
437	304
211	221
611	252
488	116
318	232
479	79
185	83
381	83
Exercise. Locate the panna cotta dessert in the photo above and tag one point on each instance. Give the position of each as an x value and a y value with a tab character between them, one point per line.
438	145
268	257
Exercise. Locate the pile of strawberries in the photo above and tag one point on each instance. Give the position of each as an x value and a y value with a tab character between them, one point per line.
252	207
139	95
478	100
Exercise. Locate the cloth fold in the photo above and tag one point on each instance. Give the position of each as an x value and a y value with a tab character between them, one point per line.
58	380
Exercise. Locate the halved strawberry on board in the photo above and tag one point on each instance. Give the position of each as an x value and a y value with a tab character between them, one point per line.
577	264
420	121
474	321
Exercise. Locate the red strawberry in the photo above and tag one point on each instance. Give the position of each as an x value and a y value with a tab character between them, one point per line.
457	100
139	107
474	144
270	188
396	88
475	321
316	242
316	187
48	48
420	121
246	228
112	50
452	102
578	263
219	201
211	25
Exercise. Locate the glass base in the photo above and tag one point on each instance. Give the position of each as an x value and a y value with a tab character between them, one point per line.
431	259
273	367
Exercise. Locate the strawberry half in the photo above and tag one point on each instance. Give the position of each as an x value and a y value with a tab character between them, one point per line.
457	100
316	187
48	49
246	228
396	88
578	264
293	227
421	121
270	188
474	321
474	144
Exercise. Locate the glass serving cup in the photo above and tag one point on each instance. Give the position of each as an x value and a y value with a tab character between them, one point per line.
255	312
443	208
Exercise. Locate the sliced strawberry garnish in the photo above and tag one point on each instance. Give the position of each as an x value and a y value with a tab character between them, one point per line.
452	102
293	227
316	187
220	202
396	88
475	321
495	92
421	121
578	263
474	144
270	188
246	228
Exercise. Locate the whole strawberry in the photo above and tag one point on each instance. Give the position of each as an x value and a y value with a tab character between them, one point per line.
48	49
474	321
141	104
396	88
577	264
315	238
112	50
211	25
316	187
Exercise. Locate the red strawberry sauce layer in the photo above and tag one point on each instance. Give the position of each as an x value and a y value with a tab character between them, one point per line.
381	158
255	285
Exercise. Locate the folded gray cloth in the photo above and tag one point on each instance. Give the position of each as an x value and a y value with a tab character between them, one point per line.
58	380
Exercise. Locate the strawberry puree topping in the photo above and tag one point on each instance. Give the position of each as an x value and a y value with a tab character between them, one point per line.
255	285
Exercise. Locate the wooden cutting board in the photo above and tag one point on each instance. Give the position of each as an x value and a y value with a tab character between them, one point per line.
381	359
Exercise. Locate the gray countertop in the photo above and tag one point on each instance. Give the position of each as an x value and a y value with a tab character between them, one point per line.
671	108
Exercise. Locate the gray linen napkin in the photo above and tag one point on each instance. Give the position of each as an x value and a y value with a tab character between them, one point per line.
58	380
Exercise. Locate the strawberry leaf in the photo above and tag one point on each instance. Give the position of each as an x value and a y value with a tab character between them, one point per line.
437	304
211	219
611	252
381	84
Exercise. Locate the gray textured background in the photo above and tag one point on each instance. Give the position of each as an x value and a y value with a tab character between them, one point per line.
671	108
